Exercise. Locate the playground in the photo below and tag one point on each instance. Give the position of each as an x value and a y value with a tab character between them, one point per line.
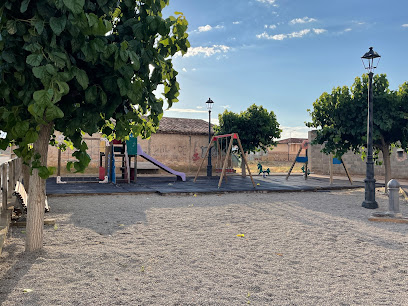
297	248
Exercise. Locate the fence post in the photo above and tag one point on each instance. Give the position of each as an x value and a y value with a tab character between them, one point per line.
4	185
10	179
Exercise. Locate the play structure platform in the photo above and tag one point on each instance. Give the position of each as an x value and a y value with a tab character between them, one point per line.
168	185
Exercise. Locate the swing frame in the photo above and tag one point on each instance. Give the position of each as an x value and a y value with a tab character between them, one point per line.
224	167
220	152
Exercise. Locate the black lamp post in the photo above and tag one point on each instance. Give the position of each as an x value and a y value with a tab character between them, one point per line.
210	104
368	62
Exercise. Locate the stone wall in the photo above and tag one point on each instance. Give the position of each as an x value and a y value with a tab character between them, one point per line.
319	163
180	152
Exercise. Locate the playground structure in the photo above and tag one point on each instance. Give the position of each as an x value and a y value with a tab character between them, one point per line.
123	153
261	170
306	171
300	159
229	138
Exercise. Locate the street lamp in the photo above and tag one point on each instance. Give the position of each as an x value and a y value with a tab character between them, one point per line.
368	62
209	104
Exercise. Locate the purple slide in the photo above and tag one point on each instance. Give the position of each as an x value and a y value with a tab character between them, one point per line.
140	152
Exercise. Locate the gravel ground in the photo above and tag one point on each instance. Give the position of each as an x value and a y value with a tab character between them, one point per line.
298	249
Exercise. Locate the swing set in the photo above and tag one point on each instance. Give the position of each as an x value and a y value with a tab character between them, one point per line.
224	157
304	159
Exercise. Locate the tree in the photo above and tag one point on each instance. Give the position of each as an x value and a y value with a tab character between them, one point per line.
78	66
341	119
257	128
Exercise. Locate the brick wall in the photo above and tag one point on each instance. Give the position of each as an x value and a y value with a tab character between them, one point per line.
319	163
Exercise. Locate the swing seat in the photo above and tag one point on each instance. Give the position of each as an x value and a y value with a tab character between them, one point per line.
301	159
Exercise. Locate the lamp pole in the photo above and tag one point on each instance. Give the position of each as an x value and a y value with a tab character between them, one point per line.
209	104
369	201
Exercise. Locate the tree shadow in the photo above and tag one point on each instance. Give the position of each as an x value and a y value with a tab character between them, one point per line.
21	263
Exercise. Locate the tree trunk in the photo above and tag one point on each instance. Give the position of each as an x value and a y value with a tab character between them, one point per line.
36	195
387	163
26	176
243	166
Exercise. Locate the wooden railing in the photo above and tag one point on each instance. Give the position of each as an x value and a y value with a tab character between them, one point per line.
10	173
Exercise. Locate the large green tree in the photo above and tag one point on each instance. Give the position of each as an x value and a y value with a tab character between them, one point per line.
257	128
341	118
79	66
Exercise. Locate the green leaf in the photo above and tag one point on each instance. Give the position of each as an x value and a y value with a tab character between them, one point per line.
104	98
82	78
11	27
58	58
39	72
36	110
51	69
24	6
31	136
53	112
75	6
63	87
91	94
45	172
92	19
69	166
21	128
43	97
8	56
58	24
39	25
135	60
122	87
34	59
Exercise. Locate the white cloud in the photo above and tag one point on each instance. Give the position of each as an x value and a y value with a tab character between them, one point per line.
271	2
185	110
347	30
405	25
319	31
274	37
272	26
294	132
184	69
237	22
225	106
207	51
205	28
199	107
298	34
194	69
302	20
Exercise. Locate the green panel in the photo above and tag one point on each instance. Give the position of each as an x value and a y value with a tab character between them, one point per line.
131	146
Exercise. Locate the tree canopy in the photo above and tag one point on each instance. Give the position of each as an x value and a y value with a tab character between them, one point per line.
257	128
341	118
83	66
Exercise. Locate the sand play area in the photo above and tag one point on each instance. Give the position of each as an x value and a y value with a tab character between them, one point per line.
304	248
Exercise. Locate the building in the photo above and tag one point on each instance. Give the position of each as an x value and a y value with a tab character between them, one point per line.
285	150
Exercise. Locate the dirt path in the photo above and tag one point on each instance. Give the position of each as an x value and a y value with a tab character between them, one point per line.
298	249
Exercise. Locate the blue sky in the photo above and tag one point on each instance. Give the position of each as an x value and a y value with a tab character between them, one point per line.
283	54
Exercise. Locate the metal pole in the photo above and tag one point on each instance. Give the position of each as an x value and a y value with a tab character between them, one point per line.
369	201
209	166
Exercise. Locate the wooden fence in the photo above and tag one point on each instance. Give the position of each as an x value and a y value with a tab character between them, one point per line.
10	173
